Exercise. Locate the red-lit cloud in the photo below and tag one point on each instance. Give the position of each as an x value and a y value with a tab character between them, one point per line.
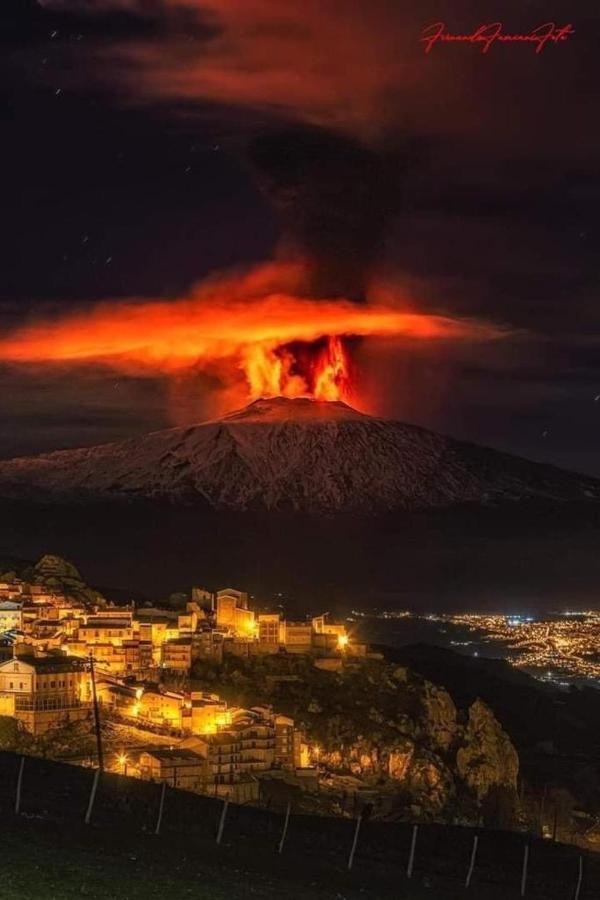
329	63
243	321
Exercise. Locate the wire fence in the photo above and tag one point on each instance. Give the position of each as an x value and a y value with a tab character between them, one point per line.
377	855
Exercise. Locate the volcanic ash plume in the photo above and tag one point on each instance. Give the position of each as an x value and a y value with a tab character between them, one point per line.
283	343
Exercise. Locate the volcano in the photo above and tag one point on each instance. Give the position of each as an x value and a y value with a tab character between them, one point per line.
293	454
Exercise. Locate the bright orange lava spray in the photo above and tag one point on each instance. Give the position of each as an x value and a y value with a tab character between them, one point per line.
323	374
332	373
285	344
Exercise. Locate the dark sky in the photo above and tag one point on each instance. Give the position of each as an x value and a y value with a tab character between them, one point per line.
130	169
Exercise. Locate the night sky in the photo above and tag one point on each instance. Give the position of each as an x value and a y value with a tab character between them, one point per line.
149	143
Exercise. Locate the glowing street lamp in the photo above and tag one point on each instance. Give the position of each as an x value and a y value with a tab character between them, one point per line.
123	759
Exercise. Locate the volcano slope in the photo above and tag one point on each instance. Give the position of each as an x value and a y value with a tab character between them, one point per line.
300	454
308	497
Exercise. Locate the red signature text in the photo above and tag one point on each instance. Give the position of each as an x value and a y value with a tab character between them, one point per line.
486	35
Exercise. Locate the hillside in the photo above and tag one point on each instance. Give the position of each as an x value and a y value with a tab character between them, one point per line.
556	733
48	852
402	735
293	454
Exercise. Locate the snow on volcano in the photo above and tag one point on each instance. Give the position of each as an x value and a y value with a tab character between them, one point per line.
298	454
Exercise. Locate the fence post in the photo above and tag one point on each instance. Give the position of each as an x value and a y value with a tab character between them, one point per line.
161	806
524	871
354	841
90	807
472	862
19	786
222	820
285	827
411	858
579	879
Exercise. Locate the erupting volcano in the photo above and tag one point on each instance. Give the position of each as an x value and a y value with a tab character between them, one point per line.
260	323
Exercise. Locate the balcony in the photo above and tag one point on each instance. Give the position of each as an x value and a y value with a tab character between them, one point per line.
43	704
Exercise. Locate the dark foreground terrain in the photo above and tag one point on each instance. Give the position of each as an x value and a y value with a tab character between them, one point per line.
467	557
48	852
313	500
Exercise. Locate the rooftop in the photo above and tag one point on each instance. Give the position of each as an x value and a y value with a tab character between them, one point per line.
47	663
188	756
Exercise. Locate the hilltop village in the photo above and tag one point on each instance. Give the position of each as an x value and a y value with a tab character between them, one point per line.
53	630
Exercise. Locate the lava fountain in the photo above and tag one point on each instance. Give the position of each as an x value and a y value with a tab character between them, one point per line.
286	344
318	369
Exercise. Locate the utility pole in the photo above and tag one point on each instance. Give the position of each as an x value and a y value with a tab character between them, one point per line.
96	716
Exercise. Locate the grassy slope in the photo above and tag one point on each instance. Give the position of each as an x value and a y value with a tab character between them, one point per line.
37	863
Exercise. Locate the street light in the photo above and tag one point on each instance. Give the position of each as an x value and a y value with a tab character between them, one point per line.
123	759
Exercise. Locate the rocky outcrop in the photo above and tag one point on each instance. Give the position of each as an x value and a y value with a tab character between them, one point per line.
400	734
445	764
50	566
486	759
438	717
430	782
400	759
59	576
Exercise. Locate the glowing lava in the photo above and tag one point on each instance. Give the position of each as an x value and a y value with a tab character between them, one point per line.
319	369
332	373
285	344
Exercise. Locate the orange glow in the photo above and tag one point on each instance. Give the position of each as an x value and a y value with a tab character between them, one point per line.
284	343
332	377
278	373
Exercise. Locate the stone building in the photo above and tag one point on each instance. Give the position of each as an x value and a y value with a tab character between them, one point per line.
44	692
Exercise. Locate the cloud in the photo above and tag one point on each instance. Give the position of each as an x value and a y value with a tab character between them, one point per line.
230	324
358	67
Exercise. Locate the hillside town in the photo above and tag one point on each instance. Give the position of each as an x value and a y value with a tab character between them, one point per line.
60	649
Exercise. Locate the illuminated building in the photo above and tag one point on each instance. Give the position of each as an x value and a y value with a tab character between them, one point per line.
11	615
177	654
10	590
179	768
102	630
209	713
298	637
207	644
288	743
44	691
137	656
271	630
187	622
233	612
163	707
